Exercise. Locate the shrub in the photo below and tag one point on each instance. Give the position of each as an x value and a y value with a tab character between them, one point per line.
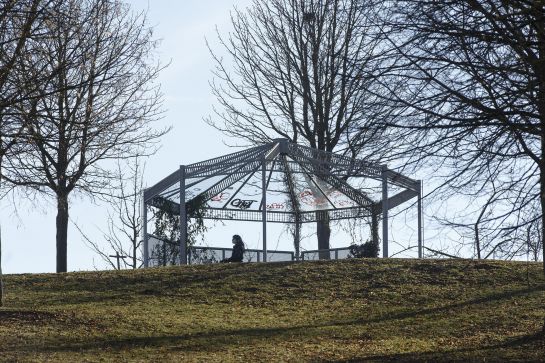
365	250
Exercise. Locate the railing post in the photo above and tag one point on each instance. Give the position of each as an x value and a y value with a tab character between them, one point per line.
183	218
145	231
264	205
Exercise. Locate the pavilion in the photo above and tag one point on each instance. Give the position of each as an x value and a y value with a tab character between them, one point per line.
282	182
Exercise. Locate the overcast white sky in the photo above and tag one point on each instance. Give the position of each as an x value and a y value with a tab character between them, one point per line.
28	235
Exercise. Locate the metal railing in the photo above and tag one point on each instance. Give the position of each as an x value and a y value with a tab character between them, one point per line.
163	252
333	253
204	255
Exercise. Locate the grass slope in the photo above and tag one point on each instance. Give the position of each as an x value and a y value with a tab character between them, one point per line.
351	310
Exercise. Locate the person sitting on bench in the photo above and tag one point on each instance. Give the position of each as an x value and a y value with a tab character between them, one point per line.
238	250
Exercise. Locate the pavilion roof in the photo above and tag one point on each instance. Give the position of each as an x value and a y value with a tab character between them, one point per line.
298	182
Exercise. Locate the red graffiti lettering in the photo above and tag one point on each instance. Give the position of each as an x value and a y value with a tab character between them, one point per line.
276	206
220	197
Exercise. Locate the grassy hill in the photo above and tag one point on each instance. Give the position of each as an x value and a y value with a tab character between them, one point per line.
351	310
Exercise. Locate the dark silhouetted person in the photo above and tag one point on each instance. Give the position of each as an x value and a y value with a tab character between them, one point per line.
238	250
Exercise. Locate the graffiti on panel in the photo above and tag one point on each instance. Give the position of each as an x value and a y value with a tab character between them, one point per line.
344	203
308	198
276	206
340	200
220	197
336	197
242	203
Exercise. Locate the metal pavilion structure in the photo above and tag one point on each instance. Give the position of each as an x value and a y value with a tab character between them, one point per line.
282	182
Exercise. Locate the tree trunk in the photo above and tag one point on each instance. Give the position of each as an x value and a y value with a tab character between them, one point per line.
374	232
542	201
323	231
477	241
134	252
1	275
62	232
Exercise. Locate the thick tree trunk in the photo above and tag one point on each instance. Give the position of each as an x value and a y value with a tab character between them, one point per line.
374	232
542	227
62	232
1	276
542	201
297	237
323	231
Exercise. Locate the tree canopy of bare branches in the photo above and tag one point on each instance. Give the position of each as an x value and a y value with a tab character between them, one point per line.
99	105
305	71
19	22
474	75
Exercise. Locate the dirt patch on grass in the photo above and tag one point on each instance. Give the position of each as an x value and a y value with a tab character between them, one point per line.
43	318
27	316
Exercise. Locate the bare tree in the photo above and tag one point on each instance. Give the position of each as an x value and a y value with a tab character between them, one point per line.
475	82
124	222
534	239
305	71
485	225
19	21
102	54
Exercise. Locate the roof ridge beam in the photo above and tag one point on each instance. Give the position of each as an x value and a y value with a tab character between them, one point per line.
218	161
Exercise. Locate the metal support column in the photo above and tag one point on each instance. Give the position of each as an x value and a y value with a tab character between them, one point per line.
264	206
384	212
420	231
183	218
145	231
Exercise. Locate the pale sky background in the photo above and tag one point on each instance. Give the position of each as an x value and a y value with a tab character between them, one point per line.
28	234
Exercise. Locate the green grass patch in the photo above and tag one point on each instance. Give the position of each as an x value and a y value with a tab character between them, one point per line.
350	310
